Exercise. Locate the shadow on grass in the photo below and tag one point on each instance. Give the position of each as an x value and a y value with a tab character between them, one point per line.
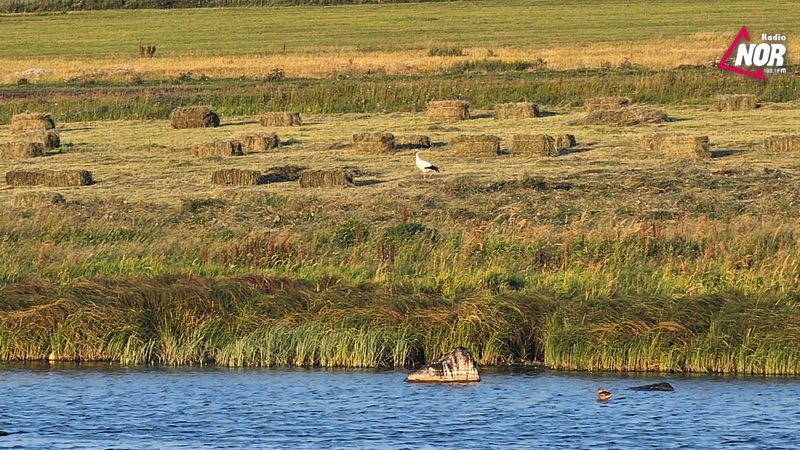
722	153
289	142
569	151
369	182
242	122
482	115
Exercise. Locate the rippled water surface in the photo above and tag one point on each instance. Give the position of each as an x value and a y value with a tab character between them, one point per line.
137	408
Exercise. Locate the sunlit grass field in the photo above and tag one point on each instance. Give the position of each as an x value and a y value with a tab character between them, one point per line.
391	39
607	257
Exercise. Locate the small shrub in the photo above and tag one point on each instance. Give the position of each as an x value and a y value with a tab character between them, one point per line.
403	231
489	66
349	233
193	205
277	74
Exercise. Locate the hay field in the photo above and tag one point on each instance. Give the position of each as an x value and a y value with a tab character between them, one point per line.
391	39
521	248
149	161
519	258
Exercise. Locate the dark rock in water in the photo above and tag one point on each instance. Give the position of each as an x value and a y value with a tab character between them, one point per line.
654	387
457	365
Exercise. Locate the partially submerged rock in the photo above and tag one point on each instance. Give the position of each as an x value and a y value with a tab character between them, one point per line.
455	366
666	387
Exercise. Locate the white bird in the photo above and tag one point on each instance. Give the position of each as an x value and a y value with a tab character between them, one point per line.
426	167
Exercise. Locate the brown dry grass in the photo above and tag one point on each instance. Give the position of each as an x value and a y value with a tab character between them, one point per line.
705	48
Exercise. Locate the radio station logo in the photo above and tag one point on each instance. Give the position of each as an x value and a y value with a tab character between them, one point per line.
766	57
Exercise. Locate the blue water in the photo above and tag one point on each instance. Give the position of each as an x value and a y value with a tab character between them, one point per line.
108	407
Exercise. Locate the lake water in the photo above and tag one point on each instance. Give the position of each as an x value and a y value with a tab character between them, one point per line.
111	407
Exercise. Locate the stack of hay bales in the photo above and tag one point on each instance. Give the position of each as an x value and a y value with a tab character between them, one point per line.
193	117
373	143
412	141
38	199
782	143
475	145
522	110
605	103
448	110
20	149
325	178
239	177
258	141
533	145
623	117
28	128
735	102
230	147
566	141
48	138
281	119
31	122
50	178
676	145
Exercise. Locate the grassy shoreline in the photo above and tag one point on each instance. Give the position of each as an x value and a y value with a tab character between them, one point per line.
607	257
265	322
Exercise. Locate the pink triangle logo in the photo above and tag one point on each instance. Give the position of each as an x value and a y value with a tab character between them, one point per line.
742	35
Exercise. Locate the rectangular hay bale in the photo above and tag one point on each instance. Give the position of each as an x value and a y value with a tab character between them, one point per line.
258	141
21	149
325	178
50	178
66	178
281	119
676	145
566	141
21	177
412	141
38	199
31	121
533	145
475	145
49	138
373	143
735	102
229	147
782	143
448	110
237	177
193	117
522	110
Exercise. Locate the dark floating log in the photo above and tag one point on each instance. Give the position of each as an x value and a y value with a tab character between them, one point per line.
666	387
455	366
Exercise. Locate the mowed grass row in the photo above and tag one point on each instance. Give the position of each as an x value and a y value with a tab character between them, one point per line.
481	86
